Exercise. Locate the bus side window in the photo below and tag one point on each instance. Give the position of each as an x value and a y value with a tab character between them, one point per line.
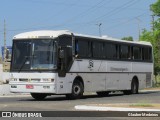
98	49
125	52
137	54
76	48
82	48
146	54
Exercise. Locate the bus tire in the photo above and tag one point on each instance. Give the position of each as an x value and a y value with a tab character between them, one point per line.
127	92
38	96
134	86
77	90
103	94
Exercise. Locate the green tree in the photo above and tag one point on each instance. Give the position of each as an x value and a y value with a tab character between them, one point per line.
153	36
130	38
155	8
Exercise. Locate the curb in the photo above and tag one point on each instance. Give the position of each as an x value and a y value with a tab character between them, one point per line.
156	90
97	108
14	95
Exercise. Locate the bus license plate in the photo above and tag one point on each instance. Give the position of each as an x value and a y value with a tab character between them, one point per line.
29	86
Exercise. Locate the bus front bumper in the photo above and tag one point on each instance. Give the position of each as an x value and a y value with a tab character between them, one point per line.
33	88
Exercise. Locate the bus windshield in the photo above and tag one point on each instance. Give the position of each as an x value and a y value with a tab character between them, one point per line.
34	55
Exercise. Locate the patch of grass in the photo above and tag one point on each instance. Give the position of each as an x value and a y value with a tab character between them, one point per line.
141	105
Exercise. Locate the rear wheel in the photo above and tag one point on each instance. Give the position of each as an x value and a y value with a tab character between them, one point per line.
38	96
103	94
77	90
134	88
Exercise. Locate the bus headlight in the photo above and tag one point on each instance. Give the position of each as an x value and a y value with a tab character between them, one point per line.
14	79
47	80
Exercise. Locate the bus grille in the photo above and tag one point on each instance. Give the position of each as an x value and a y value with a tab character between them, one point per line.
148	80
29	80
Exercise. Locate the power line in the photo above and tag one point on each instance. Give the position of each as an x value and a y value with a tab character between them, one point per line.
127	4
116	10
55	15
115	26
84	12
63	24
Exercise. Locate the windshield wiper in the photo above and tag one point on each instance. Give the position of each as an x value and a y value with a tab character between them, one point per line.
26	58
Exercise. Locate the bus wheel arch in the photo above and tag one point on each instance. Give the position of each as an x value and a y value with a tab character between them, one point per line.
135	85
77	89
79	78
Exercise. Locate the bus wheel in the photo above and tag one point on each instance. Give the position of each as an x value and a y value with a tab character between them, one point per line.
38	96
77	90
103	94
127	92
134	86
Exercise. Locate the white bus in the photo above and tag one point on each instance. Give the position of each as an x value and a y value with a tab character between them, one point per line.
61	62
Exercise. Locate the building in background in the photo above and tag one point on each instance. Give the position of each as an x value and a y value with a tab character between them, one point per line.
8	53
6	62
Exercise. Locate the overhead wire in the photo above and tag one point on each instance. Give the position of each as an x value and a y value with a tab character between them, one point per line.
116	10
46	19
125	22
63	24
122	7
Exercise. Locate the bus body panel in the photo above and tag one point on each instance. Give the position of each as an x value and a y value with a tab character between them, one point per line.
98	73
41	82
107	76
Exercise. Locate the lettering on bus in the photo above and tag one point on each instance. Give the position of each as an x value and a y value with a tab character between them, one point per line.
91	64
118	69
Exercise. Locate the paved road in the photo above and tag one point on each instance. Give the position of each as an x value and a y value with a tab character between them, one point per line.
60	103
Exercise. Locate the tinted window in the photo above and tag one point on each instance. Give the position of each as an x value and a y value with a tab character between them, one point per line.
111	51
21	54
136	53
125	52
146	54
98	49
83	48
65	40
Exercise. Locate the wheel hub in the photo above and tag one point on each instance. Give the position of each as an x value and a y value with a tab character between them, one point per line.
77	90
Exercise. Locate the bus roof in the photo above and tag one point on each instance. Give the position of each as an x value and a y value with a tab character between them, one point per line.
41	34
54	34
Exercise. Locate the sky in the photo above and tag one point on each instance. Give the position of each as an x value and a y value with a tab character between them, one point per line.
118	18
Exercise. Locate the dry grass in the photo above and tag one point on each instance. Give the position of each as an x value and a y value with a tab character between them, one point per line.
131	105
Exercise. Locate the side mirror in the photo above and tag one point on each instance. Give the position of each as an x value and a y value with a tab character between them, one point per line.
61	54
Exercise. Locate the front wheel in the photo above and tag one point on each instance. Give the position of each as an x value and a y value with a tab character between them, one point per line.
38	96
77	90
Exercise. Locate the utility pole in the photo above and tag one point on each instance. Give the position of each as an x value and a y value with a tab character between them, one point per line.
4	42
5	64
99	26
139	31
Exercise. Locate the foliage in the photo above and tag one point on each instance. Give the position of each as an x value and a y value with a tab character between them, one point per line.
130	38
155	8
153	36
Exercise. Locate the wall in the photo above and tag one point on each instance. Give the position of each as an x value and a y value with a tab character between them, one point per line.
4	76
